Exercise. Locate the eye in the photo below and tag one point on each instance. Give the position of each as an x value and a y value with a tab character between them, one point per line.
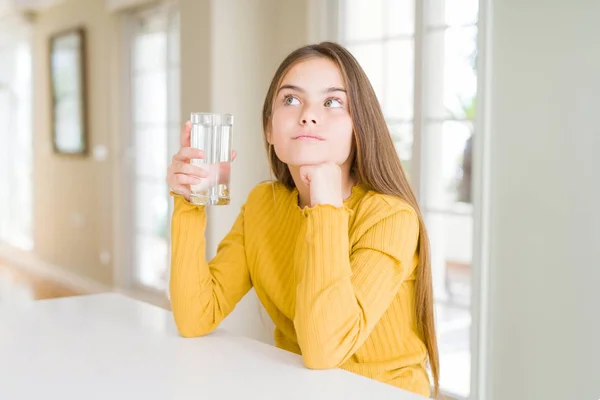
334	103
290	100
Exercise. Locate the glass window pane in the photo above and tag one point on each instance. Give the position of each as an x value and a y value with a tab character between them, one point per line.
452	12
402	135
447	149
149	51
16	149
399	80
462	12
450	72
151	261
451	239
151	208
400	17
453	328
370	57
150	97
460	74
362	19
151	158
173	140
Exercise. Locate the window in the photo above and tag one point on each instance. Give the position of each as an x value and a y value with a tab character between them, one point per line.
420	58
155	126
16	146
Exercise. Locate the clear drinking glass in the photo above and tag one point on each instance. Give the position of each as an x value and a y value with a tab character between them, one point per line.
212	133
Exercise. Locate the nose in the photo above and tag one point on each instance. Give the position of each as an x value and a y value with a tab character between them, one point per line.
308	117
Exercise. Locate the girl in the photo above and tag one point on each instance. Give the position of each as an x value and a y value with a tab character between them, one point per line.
335	247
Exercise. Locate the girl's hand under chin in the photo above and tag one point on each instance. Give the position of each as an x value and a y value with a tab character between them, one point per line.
324	182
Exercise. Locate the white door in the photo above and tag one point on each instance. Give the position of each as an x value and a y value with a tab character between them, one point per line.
154	136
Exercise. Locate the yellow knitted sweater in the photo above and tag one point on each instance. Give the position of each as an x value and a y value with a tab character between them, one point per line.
338	282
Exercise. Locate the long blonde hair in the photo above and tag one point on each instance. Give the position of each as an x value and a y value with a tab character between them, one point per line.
376	165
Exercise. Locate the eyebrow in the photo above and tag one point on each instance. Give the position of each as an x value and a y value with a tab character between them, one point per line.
299	89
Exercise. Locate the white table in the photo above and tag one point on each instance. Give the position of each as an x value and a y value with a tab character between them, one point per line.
108	346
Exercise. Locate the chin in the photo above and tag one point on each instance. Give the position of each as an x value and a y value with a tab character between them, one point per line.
306	160
299	156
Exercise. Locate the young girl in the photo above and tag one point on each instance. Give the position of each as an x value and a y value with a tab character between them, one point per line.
335	248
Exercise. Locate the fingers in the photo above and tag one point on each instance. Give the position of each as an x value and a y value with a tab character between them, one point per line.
189	169
187	154
184	139
182	173
306	173
182	179
181	176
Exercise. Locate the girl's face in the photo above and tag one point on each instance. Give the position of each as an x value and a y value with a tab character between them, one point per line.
310	120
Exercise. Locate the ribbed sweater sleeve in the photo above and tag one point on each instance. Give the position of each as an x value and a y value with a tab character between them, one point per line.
204	293
342	291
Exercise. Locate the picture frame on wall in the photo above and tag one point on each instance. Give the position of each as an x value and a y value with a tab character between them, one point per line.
67	62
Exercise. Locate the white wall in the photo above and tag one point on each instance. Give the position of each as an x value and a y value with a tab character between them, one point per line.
545	223
227	66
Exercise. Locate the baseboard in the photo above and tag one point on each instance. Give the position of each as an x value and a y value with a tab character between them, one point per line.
31	263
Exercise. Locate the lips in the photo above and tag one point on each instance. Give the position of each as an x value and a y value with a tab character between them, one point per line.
308	137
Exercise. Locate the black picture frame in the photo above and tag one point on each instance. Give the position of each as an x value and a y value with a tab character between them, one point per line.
67	71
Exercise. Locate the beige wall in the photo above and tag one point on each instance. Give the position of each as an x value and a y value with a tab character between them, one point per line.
73	195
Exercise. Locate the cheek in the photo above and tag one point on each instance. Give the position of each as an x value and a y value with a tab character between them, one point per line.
281	123
341	128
